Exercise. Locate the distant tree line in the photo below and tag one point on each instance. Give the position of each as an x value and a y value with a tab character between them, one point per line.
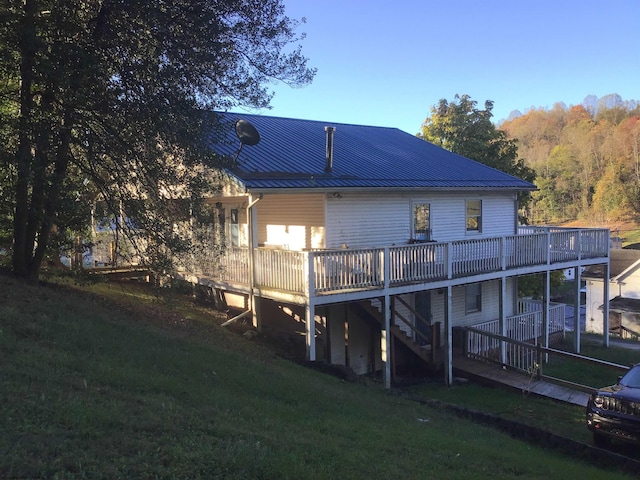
586	159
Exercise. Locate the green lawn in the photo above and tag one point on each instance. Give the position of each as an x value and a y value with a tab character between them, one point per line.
114	381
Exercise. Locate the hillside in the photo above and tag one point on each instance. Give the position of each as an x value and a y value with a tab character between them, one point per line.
586	160
120	381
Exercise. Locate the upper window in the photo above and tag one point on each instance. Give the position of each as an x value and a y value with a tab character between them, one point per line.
474	215
421	221
473	298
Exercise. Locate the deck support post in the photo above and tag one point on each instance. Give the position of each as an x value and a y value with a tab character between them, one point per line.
546	309
387	358
605	304
503	319
252	233
310	330
448	337
576	311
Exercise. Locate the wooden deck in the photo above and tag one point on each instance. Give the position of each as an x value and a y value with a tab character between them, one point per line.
366	272
493	374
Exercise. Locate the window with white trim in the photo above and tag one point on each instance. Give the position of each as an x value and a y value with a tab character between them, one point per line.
473	298
474	215
421	221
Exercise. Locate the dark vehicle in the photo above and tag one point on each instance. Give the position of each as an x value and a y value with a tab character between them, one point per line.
614	412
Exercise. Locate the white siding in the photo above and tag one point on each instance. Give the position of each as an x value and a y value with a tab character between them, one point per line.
365	220
629	287
593	300
293	222
359	344
490	304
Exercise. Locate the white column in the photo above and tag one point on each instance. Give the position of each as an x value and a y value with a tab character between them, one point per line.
503	319
576	311
252	241
310	318
605	304
448	345
386	341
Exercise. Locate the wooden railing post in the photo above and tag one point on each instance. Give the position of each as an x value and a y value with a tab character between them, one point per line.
309	274
386	267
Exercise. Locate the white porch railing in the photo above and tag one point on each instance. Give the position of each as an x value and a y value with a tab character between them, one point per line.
327	271
336	270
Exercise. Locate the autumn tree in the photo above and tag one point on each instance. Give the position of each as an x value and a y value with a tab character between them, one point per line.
112	98
460	127
586	159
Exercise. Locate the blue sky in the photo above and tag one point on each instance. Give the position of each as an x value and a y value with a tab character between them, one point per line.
387	62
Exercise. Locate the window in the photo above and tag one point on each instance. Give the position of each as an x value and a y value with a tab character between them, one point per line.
473	298
474	215
421	222
235	228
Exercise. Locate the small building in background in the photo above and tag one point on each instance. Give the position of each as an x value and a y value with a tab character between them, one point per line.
624	294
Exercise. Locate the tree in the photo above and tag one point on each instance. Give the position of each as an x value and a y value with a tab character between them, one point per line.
112	99
460	127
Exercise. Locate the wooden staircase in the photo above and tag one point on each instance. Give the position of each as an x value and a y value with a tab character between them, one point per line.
428	352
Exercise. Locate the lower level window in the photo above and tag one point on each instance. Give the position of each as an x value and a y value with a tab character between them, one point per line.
473	298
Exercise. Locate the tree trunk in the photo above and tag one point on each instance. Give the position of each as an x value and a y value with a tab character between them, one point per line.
21	252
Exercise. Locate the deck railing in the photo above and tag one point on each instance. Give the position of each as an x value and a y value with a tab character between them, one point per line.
529	358
327	271
523	327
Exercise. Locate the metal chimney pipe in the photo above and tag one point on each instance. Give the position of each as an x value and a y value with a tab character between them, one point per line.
329	165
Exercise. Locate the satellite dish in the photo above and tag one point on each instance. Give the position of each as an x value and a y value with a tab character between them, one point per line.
247	133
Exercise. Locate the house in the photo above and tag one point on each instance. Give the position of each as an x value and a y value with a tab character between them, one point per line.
378	246
623	294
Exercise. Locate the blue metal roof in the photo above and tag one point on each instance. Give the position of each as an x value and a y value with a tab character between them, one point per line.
292	154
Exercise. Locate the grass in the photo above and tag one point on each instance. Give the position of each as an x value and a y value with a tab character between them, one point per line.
112	381
563	419
560	418
587	373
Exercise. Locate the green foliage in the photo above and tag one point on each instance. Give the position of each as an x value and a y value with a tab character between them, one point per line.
92	388
531	285
587	159
109	101
460	127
